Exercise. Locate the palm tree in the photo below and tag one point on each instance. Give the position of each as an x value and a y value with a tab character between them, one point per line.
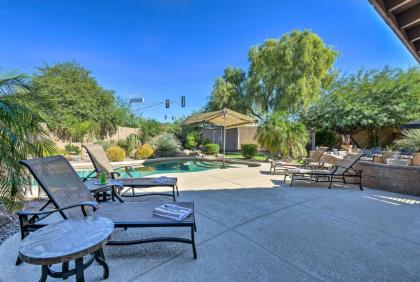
283	137
23	134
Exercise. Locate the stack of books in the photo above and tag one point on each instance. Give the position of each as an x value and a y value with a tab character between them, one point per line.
172	211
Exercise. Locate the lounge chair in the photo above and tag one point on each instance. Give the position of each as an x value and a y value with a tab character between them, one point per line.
313	161
101	163
338	173
71	199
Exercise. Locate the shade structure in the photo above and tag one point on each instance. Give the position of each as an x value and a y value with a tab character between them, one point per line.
411	125
226	118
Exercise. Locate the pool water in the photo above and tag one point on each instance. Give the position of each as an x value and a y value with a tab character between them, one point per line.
175	166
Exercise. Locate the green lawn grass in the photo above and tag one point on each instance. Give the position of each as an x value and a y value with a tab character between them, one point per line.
258	157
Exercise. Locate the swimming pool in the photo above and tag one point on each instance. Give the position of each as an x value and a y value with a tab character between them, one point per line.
169	166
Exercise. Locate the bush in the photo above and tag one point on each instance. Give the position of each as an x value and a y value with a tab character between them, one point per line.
165	144
143	152
191	140
211	149
115	153
104	144
249	150
206	141
326	138
409	140
129	144
72	149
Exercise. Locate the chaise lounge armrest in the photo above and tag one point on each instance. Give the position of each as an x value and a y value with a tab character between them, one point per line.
36	214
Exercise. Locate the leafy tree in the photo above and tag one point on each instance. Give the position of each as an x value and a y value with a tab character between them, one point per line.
149	128
229	91
283	137
22	135
77	98
290	73
368	100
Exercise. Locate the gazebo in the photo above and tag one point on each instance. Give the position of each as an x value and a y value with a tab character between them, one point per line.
226	118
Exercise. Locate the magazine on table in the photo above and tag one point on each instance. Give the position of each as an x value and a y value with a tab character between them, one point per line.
163	180
172	211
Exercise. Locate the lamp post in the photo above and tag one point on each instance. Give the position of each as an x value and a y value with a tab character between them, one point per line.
132	100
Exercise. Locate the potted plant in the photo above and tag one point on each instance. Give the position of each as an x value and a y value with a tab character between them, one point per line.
411	140
346	142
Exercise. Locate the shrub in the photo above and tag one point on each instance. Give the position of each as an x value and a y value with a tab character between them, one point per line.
104	144
72	149
130	143
211	149
206	141
165	144
145	151
249	150
326	138
410	140
191	140
115	153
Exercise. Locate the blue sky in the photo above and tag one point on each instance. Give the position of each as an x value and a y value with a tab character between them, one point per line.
164	49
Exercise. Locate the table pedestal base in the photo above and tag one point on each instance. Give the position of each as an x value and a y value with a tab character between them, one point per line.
98	256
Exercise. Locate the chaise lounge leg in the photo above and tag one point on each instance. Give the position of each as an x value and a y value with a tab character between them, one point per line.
331	179
291	182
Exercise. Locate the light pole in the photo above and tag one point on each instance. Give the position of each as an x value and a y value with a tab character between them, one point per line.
131	101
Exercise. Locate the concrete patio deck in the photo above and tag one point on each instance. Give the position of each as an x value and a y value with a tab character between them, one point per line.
253	227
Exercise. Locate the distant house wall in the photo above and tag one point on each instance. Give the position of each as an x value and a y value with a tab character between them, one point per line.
235	137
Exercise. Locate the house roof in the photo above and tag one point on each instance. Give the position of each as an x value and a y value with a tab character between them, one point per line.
403	16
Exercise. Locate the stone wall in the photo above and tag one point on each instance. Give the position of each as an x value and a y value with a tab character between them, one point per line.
400	179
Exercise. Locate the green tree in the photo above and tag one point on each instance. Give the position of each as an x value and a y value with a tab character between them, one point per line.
148	129
77	98
368	100
229	91
290	73
22	135
283	137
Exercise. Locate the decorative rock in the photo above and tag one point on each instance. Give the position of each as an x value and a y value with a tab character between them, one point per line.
5	219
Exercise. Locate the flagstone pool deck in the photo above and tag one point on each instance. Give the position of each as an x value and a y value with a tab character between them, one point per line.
253	227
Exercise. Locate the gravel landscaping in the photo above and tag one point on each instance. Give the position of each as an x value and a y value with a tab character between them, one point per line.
9	222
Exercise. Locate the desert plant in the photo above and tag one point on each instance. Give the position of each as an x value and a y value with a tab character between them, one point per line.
410	140
249	150
72	149
130	143
143	152
165	144
283	137
104	144
115	153
211	149
23	134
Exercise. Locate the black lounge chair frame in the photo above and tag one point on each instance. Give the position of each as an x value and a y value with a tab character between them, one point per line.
33	220
337	173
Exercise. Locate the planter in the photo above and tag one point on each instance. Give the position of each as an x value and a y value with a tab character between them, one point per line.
397	162
378	159
347	147
416	159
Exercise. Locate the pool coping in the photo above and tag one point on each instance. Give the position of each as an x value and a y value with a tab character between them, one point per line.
134	163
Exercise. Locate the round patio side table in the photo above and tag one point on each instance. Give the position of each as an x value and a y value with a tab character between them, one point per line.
68	240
